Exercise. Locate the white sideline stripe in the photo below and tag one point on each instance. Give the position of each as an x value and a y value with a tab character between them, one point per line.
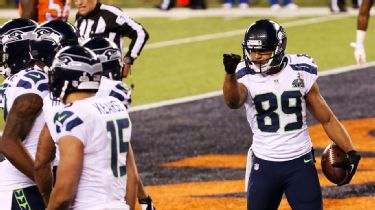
220	92
241	32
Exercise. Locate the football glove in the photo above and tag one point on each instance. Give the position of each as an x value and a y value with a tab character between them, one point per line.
146	203
230	62
350	164
359	53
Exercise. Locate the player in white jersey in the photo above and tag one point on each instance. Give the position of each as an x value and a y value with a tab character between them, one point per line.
96	169
110	56
47	152
22	93
276	90
45	41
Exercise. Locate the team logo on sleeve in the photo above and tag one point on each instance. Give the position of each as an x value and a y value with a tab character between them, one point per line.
298	83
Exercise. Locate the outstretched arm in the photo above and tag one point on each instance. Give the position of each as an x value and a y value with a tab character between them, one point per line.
18	124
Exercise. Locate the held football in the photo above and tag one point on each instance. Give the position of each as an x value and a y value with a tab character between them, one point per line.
333	154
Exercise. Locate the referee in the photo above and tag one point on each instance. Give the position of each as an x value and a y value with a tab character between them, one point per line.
97	19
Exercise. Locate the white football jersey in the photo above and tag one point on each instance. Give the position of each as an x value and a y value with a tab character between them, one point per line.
276	108
26	81
103	126
114	88
107	87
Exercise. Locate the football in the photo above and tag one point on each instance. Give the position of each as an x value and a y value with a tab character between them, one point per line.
333	154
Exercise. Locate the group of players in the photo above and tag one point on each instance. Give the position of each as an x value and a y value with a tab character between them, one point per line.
66	140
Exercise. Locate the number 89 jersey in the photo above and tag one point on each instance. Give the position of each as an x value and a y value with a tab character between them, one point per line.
103	126
276	108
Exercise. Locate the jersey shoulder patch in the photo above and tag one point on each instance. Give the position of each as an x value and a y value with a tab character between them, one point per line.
33	78
66	120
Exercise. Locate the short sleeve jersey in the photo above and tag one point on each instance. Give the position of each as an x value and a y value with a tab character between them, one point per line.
24	82
107	87
103	126
276	108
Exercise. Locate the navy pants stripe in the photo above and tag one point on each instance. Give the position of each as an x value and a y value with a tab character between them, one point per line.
297	178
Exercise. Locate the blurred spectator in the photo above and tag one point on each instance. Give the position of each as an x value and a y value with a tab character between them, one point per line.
198	4
288	4
340	5
243	4
193	4
167	4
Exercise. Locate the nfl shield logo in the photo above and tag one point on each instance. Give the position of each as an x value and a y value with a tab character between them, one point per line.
256	166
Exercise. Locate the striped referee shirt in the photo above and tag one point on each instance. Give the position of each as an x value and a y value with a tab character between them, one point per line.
111	22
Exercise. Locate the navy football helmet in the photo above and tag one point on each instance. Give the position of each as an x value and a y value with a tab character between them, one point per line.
75	68
109	54
3	55
16	34
49	37
264	35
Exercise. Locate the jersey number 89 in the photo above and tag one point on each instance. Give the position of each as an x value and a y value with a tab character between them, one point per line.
270	112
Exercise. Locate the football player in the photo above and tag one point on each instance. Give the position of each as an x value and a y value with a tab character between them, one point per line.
44	10
93	137
276	90
47	39
111	84
22	95
362	24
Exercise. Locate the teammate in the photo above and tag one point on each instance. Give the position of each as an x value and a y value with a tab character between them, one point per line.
47	39
111	85
362	23
21	93
93	137
97	19
276	89
44	10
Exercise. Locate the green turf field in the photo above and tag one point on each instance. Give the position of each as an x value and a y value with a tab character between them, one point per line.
180	70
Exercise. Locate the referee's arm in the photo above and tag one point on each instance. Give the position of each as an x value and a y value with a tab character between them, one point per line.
138	36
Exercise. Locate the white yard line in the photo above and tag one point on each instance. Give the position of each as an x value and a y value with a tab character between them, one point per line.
220	35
